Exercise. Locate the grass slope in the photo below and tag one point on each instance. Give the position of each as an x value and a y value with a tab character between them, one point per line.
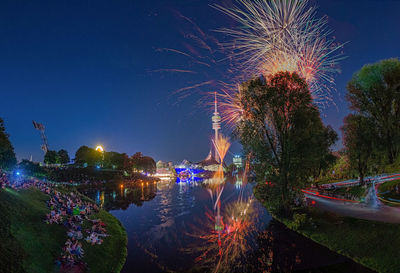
375	245
110	256
30	245
36	243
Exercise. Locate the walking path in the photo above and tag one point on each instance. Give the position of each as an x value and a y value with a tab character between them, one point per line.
376	212
382	213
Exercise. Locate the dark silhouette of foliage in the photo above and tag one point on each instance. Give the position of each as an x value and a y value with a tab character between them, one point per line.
51	157
63	157
358	138
87	155
143	163
374	92
7	154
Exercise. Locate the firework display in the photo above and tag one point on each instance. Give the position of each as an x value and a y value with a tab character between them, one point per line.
225	231
269	36
284	35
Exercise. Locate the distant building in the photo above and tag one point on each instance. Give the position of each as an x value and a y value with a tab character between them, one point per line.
238	161
165	170
161	164
209	163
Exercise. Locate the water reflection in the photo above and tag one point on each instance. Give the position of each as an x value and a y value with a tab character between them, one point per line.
121	196
206	227
282	250
222	237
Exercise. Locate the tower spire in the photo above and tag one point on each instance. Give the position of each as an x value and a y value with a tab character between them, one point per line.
216	125
215	103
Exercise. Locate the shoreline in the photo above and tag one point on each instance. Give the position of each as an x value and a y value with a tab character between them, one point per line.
357	239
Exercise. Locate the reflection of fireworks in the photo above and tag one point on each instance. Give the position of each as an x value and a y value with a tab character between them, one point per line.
228	240
282	35
222	145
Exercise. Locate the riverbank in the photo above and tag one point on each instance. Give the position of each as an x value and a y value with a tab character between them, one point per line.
373	244
31	245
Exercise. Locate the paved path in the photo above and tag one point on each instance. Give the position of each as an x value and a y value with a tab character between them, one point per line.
358	210
351	208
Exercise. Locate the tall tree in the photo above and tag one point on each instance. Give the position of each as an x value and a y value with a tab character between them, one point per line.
374	92
63	156
283	131
116	160
143	163
87	155
359	138
7	154
51	157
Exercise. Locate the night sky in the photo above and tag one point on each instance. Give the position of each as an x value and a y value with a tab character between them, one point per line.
93	71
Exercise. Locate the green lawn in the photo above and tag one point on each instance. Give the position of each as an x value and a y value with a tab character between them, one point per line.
110	256
388	186
373	244
30	245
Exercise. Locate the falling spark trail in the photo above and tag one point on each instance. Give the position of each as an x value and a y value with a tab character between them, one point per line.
174	70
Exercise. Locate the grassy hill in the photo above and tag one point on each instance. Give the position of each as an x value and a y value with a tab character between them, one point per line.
29	245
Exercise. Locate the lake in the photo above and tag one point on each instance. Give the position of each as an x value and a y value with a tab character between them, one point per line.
196	226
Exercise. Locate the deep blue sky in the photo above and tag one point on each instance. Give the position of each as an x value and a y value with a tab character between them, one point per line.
88	71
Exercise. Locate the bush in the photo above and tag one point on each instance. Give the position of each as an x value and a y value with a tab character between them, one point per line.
299	220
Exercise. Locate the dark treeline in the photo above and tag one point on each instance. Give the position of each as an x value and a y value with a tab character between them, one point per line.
89	165
89	157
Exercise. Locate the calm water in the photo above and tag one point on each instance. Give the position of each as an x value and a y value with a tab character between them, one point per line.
181	227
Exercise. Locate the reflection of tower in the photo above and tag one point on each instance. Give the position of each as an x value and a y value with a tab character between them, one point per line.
216	125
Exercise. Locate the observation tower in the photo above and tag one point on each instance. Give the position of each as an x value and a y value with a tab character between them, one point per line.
216	125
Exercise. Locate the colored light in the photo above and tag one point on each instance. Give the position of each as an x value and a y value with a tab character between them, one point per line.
99	148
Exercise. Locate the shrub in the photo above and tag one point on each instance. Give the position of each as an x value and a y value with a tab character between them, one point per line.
299	220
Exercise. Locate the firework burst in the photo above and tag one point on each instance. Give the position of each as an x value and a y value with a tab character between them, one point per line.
281	35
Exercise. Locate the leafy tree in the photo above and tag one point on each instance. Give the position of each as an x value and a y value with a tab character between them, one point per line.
148	164
358	138
143	163
374	92
116	160
283	131
136	161
7	154
51	157
340	170
87	155
63	156
31	168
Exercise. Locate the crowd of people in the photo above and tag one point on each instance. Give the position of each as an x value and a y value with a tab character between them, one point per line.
4	181
69	210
